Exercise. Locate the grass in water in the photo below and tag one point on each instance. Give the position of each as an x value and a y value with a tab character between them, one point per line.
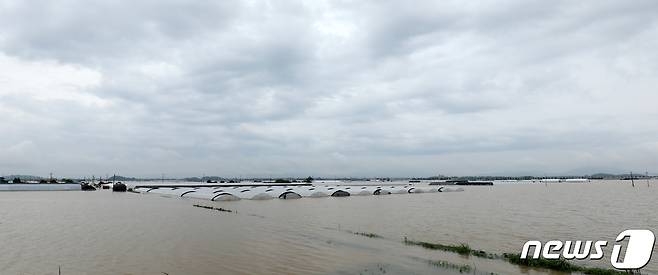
369	235
443	264
559	265
213	208
601	271
462	249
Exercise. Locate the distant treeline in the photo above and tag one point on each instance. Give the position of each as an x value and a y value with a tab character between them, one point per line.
593	176
30	179
310	179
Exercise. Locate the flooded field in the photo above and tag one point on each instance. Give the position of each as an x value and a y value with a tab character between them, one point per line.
126	233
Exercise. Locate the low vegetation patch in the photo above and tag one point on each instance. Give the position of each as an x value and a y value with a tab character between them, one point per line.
462	249
559	265
448	265
213	208
369	235
462	268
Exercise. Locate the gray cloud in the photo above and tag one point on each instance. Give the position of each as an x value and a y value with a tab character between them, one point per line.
327	88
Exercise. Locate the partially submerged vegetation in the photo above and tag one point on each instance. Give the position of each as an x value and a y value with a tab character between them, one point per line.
559	265
366	234
213	208
462	249
462	268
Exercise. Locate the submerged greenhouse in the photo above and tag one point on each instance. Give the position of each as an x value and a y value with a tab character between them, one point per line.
285	192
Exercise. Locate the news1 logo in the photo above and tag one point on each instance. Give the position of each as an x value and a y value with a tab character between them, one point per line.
638	250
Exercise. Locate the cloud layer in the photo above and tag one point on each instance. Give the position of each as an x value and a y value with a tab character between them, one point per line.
327	88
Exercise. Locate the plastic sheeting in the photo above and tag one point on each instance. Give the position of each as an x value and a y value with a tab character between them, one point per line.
171	192
449	189
253	193
288	195
311	192
228	193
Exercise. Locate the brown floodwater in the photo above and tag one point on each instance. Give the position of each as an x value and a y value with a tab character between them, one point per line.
126	233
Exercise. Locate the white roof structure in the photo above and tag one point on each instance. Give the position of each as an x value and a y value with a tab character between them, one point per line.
336	191
398	189
142	189
416	190
264	192
253	193
211	194
449	189
311	192
363	190
170	191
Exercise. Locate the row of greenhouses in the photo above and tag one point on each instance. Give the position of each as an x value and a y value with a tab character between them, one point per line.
220	193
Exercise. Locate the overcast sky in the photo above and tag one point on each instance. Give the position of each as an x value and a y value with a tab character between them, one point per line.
328	88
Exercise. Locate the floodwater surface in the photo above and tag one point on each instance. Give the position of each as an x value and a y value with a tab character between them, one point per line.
126	233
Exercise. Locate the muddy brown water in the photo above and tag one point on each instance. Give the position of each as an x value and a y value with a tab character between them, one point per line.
125	233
